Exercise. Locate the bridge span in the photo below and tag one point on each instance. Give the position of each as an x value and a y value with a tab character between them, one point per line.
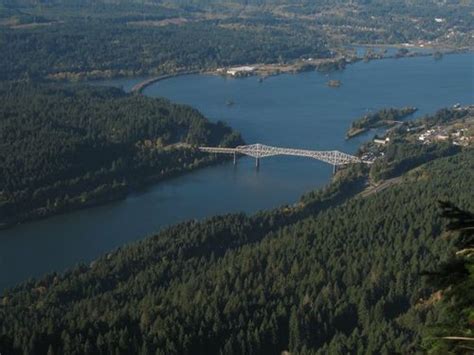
257	151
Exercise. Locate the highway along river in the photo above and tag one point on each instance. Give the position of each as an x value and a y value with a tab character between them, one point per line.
298	111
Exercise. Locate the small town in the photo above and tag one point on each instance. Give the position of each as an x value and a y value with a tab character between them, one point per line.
459	132
458	137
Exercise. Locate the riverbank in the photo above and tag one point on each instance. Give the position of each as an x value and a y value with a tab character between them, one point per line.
120	192
262	70
299	66
425	46
91	145
138	88
265	70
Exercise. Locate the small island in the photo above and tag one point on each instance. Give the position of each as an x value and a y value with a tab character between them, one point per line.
382	118
334	83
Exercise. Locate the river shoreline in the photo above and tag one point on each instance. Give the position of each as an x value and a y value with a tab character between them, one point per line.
116	196
384	118
301	66
138	88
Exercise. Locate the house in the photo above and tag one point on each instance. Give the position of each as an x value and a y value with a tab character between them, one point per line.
382	141
442	137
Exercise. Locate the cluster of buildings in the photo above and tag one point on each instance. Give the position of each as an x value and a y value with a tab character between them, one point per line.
438	134
460	133
461	137
433	134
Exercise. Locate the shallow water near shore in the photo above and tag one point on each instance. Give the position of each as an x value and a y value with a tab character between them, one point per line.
298	111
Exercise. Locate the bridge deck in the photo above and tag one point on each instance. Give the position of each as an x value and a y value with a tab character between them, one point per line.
257	151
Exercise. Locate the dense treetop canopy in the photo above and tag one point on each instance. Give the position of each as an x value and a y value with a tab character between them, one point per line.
67	146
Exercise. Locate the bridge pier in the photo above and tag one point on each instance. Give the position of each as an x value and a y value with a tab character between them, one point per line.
334	169
257	162
235	159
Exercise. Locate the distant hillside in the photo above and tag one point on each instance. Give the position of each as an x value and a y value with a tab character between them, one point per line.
115	47
76	40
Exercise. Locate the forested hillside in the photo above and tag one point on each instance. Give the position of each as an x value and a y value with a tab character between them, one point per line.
106	49
344	279
453	331
98	39
65	147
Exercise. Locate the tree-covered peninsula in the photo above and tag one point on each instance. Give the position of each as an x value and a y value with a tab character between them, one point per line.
67	147
381	118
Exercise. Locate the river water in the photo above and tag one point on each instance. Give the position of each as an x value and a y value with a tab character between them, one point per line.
289	111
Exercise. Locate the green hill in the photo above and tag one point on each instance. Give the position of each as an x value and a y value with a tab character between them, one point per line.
66	147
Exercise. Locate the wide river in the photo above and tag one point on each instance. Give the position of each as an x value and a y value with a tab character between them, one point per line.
288	111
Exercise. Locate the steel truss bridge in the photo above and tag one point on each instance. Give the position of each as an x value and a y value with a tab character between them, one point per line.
257	151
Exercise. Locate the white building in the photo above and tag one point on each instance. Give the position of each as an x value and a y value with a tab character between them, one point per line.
382	141
237	70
